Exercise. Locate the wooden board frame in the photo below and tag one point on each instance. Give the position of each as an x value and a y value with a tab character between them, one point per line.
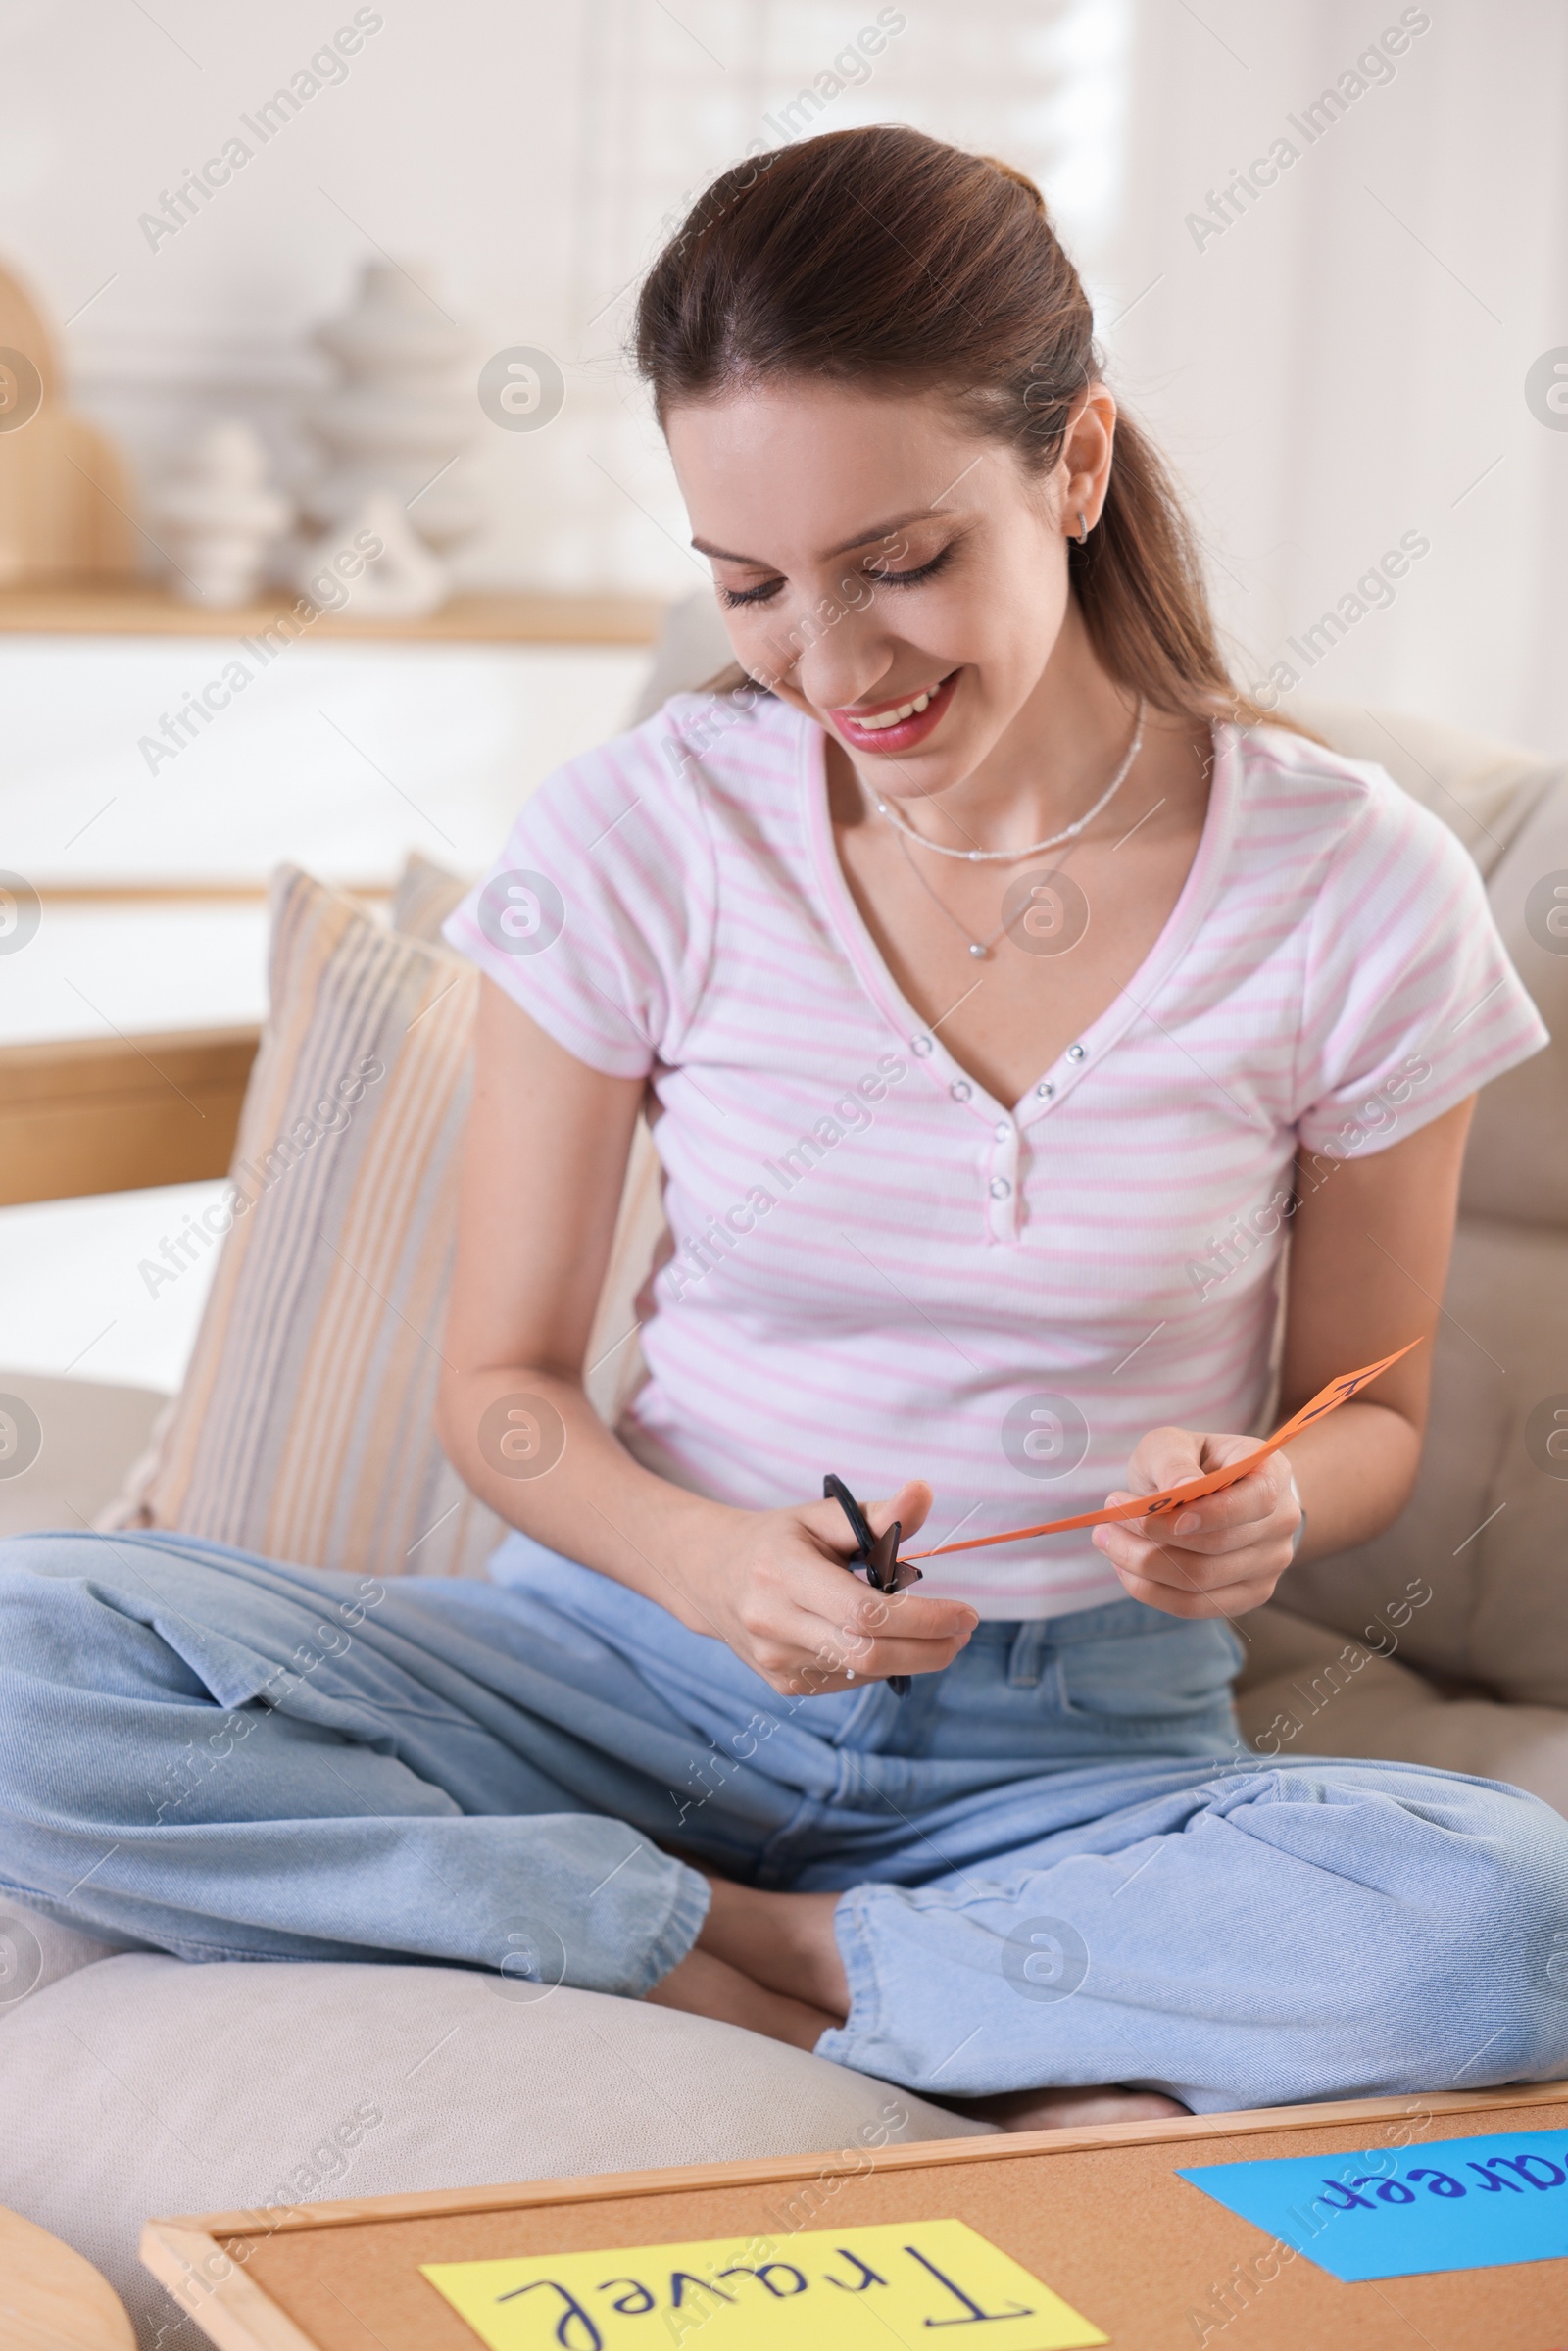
237	2273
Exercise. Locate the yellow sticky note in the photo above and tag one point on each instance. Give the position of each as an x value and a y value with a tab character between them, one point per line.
823	2289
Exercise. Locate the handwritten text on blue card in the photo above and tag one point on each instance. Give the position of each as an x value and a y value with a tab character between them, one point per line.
1452	2204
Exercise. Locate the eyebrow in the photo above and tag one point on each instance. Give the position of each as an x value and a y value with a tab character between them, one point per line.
863	538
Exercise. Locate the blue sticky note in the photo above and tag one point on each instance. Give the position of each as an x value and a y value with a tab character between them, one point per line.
1450	2204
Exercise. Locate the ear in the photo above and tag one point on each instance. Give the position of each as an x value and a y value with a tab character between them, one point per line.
1084	468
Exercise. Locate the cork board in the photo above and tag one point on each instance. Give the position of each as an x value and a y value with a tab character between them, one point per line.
1099	2216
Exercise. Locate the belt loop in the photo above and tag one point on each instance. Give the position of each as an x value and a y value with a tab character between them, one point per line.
1023	1659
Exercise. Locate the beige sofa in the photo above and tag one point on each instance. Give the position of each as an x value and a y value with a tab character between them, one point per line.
132	2083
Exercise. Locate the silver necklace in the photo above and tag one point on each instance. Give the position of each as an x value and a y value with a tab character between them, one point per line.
1015	857
980	949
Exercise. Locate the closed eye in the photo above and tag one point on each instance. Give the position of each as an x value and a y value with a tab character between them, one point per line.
910	579
768	589
762	594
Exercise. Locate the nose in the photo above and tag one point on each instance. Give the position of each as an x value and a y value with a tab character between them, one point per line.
845	653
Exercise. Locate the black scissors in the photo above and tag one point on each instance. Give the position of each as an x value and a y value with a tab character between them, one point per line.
878	1554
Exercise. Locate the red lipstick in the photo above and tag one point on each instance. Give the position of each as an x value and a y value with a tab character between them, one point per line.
902	733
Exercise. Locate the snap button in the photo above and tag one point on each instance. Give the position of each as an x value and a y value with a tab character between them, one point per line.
922	1046
1003	1130
1044	1090
1076	1053
960	1090
999	1187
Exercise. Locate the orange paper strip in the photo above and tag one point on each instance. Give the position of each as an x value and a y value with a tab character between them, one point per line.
1171	1497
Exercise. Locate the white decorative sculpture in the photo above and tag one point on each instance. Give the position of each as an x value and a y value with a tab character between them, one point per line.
404	412
374	566
218	518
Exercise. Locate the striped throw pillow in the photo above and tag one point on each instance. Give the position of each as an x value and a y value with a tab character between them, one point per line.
614	1370
424	896
304	1430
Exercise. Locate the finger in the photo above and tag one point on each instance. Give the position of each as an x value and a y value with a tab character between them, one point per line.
879	1660
1191	1571
840	1664
1206	1559
1247	1505
848	1603
813	1655
1167	1458
1234	1600
855	1610
1261	1495
1218	1542
910	1506
884	1632
1201	1578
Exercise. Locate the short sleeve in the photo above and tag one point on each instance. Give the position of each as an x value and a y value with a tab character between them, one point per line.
1411	1000
598	917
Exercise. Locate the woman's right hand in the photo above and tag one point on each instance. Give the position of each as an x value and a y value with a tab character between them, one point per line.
773	1584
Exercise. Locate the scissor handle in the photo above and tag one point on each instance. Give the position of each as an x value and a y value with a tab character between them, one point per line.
834	1490
878	1554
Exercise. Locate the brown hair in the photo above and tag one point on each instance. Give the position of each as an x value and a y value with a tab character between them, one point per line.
880	255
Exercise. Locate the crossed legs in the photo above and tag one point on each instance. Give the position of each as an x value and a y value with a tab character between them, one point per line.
770	1962
227	1757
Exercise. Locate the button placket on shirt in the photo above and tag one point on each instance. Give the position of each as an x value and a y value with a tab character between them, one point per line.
1001	1182
999	1163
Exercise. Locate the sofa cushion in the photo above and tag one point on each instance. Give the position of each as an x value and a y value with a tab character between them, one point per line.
1482	789
142	2085
1516	1164
75	1449
1486	1530
36	1950
1306	1691
306	1426
1510	808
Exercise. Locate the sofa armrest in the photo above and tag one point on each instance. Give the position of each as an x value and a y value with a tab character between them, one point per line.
88	1115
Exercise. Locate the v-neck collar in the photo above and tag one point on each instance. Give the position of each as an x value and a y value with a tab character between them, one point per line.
1085	1054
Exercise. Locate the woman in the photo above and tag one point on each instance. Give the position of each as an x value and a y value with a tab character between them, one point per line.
1005	986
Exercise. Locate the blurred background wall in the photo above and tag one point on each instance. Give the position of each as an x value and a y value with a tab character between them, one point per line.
523	163
1334	360
1347	356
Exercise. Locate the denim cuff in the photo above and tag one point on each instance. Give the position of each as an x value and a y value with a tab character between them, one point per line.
860	2027
670	1941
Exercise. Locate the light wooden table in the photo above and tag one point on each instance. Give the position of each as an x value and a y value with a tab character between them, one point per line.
53	2300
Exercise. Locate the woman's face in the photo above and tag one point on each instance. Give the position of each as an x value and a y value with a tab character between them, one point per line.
870	554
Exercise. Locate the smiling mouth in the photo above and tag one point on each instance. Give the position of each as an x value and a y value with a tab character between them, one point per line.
896	715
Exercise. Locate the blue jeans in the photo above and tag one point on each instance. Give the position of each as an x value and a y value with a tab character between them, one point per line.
1057	1863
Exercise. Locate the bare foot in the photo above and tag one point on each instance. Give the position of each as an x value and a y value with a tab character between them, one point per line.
1066	2109
708	1986
785	1942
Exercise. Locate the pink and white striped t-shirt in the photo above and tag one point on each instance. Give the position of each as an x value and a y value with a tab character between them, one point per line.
880	1269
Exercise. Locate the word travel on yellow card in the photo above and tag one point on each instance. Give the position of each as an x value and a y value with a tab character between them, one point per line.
851	2290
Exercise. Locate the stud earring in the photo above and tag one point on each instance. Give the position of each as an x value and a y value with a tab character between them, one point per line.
1082	529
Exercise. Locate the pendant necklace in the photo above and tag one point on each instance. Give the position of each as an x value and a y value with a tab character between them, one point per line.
980	949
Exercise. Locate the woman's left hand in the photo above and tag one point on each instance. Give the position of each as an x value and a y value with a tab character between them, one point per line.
1218	1557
